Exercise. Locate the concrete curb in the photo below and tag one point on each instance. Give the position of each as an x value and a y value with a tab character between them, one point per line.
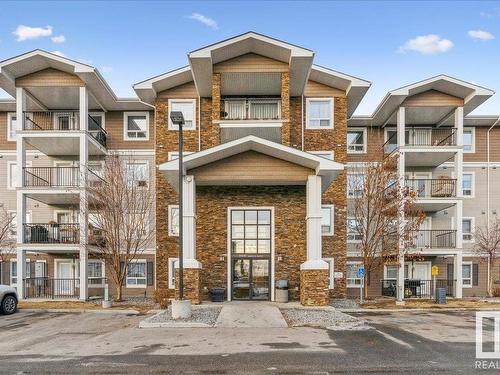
431	309
144	324
98	311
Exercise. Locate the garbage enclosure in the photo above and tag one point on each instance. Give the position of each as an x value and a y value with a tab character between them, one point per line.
281	294
441	296
217	294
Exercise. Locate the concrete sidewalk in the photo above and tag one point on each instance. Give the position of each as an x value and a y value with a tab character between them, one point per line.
250	315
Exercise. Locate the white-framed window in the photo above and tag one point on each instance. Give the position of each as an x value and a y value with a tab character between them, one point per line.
136	126
353	235
173	220
137	172
188	109
11	175
356	141
355	184
391	272
468	185
11	126
352	280
13	223
172	155
13	271
331	272
136	274
95	273
319	113
467	274
97	119
469	140
324	154
467	229
327	219
171	272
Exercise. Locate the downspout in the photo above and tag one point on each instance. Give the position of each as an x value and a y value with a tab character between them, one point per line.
199	123
488	192
302	119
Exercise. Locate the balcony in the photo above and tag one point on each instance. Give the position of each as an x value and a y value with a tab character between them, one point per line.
57	132
433	194
52	233
51	177
424	239
51	288
417	288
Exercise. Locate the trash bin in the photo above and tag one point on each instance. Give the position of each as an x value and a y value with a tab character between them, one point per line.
217	294
441	296
281	294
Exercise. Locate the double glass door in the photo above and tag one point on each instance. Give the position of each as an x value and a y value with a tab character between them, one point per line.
250	279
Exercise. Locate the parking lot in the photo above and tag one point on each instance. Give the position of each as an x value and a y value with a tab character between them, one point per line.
410	342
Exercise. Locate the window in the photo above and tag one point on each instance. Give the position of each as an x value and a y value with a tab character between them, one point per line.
391	272
356	141
13	224
352	232
327	220
467	228
136	126
137	173
188	109
171	272
173	220
353	281
96	121
13	271
250	231
95	273
468	140
319	113
11	175
331	272
468	185
466	274
11	128
355	184
324	154
172	155
136	274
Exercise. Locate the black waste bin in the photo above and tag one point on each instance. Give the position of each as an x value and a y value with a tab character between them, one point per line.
217	294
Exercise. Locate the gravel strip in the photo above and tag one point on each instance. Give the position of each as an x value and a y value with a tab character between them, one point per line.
331	319
345	303
135	301
205	315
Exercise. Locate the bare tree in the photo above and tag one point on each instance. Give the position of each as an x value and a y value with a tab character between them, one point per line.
375	202
487	244
7	243
120	201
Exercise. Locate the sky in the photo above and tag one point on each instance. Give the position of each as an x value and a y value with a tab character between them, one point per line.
389	43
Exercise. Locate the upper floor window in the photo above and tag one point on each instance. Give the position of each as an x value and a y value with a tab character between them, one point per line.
356	141
353	230
188	109
468	140
467	228
136	126
468	185
137	173
96	121
173	220
319	113
11	126
355	184
327	220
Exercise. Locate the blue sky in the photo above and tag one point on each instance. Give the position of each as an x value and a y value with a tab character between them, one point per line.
388	43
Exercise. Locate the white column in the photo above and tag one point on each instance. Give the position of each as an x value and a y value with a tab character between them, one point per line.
458	224
401	124
457	272
402	226
83	217
21	254
189	223
21	271
20	107
313	221
84	108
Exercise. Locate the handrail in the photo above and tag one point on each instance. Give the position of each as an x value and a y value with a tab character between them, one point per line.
56	233
423	136
51	176
433	187
100	135
245	111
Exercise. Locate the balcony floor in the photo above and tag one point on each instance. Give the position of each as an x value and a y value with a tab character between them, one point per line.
428	156
61	143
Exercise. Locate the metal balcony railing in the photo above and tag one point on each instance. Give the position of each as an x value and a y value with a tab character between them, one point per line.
433	187
425	238
97	132
45	233
51	177
251	109
48	287
421	136
416	288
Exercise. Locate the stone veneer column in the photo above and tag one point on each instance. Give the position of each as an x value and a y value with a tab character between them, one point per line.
191	265
314	271
216	102
285	108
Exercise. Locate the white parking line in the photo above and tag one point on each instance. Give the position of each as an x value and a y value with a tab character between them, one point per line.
396	340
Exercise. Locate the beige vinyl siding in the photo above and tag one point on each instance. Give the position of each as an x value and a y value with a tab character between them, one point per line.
4	143
250	62
49	77
185	91
432	98
316	89
114	127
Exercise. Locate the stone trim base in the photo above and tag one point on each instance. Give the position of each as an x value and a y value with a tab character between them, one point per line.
314	288
191	285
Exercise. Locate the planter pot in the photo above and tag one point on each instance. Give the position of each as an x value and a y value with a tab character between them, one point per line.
181	309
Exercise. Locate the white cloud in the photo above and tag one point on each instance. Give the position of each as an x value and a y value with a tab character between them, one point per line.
207	21
106	69
58	53
480	35
58	39
430	44
23	32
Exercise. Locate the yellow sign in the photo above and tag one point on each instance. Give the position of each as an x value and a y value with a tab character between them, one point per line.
435	270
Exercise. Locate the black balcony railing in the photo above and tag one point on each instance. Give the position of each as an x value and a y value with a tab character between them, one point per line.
51	177
251	109
50	288
52	233
433	187
430	239
415	288
97	132
420	136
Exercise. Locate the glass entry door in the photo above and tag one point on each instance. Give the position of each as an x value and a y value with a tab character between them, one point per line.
251	279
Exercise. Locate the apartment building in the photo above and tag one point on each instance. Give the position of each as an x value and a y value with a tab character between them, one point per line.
270	142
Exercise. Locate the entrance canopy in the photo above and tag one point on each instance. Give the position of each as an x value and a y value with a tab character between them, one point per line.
291	166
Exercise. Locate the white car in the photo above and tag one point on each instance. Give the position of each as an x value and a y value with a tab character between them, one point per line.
8	299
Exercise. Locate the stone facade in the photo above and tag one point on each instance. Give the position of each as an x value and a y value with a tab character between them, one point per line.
191	285
314	288
285	108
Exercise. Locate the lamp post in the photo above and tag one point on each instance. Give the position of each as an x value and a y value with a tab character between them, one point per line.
182	308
